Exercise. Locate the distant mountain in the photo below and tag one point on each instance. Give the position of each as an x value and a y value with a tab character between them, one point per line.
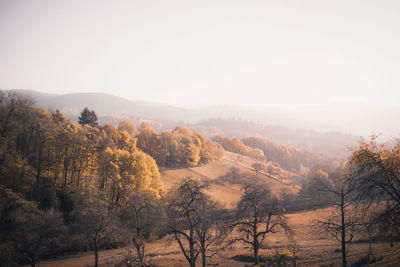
327	129
106	105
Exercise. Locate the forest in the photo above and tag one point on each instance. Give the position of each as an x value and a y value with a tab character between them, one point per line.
69	187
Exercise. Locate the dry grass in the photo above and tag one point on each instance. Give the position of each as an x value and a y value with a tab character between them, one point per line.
313	249
219	190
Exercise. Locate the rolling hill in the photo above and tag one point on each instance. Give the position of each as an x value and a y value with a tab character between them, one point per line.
229	121
217	176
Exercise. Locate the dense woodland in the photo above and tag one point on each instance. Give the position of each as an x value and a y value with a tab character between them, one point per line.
75	186
51	166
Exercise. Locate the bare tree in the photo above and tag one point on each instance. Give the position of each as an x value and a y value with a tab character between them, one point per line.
258	215
342	224
142	216
195	220
212	227
182	207
100	225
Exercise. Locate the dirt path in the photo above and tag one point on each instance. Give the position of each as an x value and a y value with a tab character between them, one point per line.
282	181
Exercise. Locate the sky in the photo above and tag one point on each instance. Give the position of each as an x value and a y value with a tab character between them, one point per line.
261	53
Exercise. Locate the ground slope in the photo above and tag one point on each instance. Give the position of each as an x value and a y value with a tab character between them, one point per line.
219	188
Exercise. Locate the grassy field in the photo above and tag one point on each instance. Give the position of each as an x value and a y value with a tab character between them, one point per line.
312	249
219	189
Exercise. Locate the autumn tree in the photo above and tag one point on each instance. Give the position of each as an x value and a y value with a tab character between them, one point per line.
88	117
315	188
375	174
122	173
257	215
149	141
128	127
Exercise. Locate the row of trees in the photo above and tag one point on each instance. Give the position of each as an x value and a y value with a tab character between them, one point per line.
236	146
178	148
288	157
42	151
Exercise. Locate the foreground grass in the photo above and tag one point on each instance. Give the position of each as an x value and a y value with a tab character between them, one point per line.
312	249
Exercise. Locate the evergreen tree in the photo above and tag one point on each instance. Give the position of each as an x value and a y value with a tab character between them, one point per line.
88	117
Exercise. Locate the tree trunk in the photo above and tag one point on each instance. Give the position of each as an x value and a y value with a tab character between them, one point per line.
203	257
139	252
191	248
343	230
96	257
256	246
39	166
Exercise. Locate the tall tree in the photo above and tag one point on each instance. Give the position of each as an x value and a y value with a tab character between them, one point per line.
88	117
182	209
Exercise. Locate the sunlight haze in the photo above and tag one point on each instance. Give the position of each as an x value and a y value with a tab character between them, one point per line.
264	53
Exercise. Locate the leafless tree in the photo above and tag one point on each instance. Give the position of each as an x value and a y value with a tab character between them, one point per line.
342	224
194	220
212	227
142	216
100	223
258	215
182	207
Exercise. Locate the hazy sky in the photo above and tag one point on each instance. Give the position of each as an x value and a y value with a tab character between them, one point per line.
279	53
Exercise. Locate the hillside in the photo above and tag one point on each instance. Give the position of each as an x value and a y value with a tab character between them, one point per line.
217	176
331	143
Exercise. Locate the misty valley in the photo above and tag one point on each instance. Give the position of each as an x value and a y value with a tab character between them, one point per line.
134	191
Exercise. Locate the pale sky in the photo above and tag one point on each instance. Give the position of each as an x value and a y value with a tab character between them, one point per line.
265	53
